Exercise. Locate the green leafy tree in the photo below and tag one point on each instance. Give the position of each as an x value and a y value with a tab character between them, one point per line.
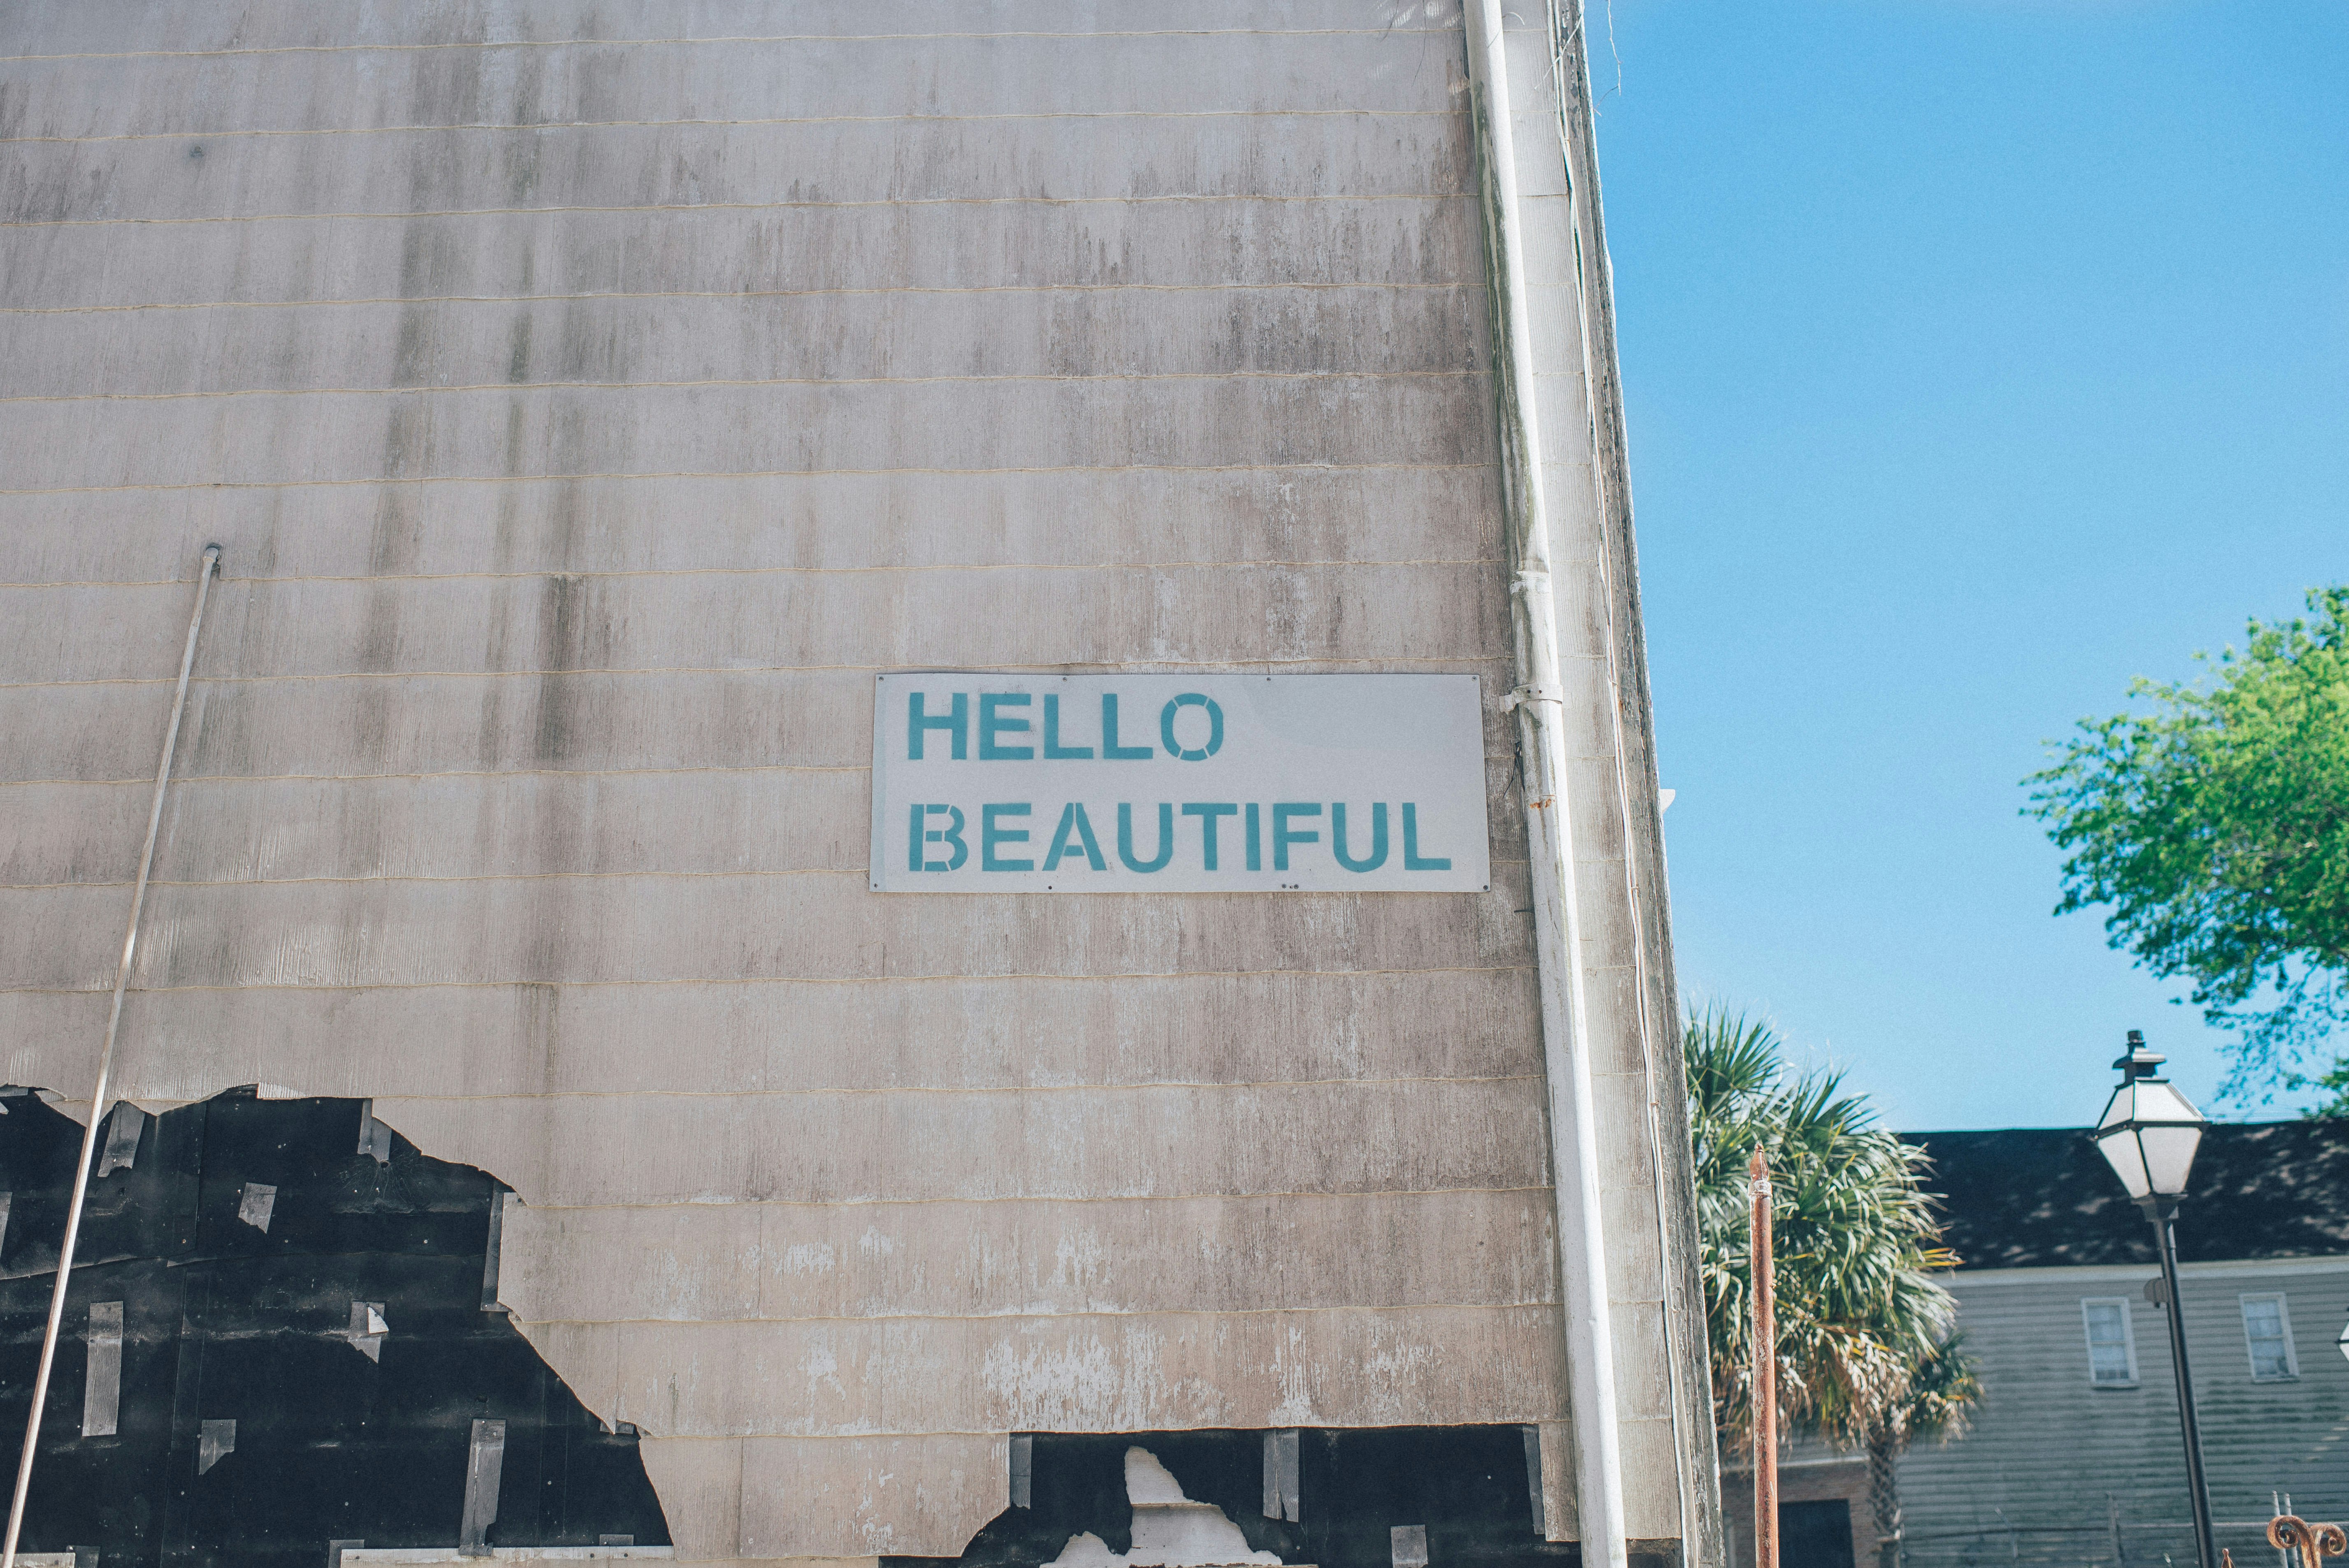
1867	1355
2215	826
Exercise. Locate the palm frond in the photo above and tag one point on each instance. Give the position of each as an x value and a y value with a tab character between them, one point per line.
1863	1328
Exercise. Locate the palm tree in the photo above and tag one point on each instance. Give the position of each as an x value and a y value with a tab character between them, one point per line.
1867	1355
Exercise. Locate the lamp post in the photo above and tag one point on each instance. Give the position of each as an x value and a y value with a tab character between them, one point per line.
2148	1134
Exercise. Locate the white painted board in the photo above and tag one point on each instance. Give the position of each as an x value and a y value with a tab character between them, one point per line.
988	782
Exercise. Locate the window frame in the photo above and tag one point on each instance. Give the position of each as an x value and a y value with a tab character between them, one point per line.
2127	1340
2290	1373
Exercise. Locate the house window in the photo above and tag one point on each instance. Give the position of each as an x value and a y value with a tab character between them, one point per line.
2112	1349
2267	1332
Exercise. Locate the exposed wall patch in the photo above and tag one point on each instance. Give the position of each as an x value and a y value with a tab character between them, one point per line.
200	1306
1465	1489
1169	1528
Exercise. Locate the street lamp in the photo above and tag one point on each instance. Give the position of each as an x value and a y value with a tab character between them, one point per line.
2148	1134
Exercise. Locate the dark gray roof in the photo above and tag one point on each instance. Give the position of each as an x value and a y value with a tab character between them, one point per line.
2044	1197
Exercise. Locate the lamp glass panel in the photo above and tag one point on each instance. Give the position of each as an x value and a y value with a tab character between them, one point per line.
2159	1101
2117	1108
2127	1161
2169	1156
2342	1343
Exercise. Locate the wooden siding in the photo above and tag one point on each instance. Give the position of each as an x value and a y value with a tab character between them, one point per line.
2057	1471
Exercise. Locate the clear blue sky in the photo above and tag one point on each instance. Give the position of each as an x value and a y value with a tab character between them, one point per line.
1980	356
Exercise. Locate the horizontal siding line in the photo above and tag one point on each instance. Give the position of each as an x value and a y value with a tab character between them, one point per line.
1370	1194
449	773
727	294
761	474
1545	1413
743	382
513	127
1152	667
1367	1194
876	201
385	877
658	572
1139	1087
743	38
998	977
473	773
1358	1194
1029	1315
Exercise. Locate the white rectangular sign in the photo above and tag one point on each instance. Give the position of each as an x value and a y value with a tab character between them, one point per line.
1177	783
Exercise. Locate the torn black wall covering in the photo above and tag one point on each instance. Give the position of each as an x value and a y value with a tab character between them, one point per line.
1467	1484
226	1322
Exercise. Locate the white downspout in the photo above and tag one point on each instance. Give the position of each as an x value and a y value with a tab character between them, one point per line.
1538	700
104	1070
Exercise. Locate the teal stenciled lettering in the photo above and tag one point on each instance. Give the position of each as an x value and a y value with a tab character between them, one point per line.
1207	811
1255	839
925	834
1073	820
989	835
1053	750
1283	835
956	722
1111	751
1378	855
992	724
1412	860
1126	838
1214	727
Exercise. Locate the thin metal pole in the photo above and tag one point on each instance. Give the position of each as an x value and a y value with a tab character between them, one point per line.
1766	1373
2166	1241
104	1070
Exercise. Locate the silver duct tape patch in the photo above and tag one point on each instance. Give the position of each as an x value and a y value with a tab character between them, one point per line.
334	1549
122	1131
485	1465
5	1200
214	1441
615	1541
490	1261
1023	1470
1280	1489
101	1389
367	1329
1408	1545
1533	1476
259	1200
375	1138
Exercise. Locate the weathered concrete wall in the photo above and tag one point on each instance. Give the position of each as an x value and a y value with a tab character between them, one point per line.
590	400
